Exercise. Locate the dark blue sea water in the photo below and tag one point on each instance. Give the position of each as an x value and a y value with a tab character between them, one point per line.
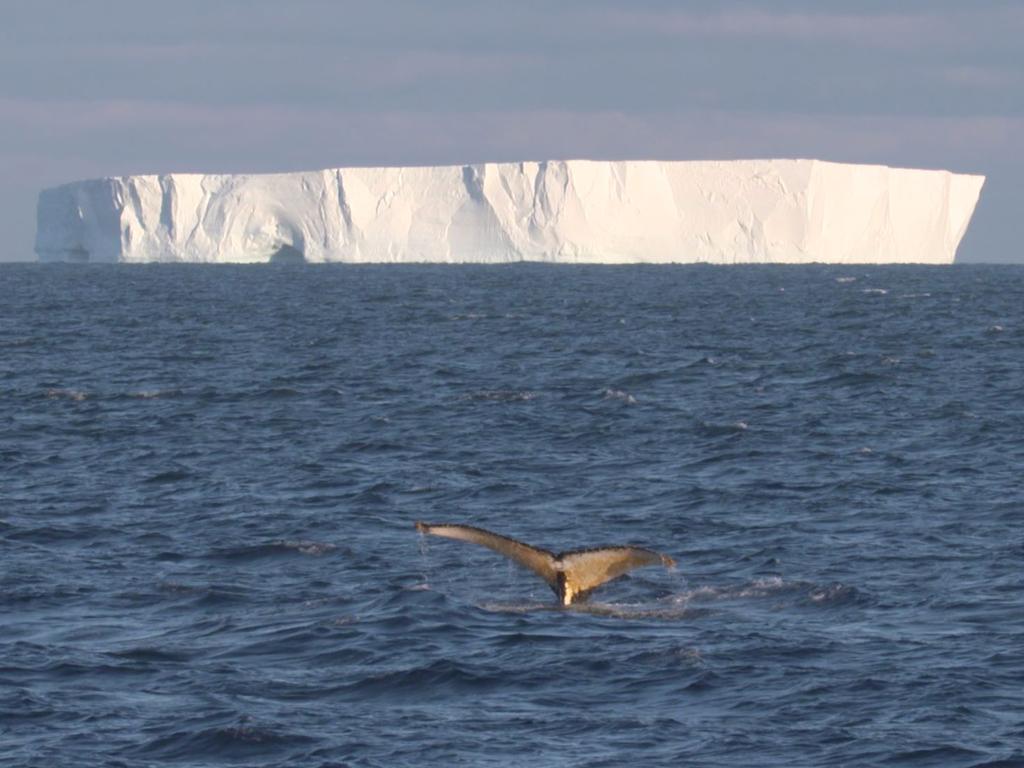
209	478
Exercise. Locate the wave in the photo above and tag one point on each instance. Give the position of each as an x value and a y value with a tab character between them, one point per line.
168	476
275	549
23	705
205	595
145	654
437	677
154	394
618	394
655	610
58	393
691	602
241	740
771	586
485	316
23	341
714	429
502	395
277	393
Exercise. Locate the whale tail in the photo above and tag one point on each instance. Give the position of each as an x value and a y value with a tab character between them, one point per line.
572	574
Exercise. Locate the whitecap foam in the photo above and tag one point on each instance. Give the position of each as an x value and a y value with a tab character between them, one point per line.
502	395
68	394
618	394
153	394
757	588
832	594
716	428
312	548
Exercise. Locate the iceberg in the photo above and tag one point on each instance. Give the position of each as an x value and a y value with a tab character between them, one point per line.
573	211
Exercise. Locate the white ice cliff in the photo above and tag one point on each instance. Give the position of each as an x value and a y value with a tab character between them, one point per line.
794	211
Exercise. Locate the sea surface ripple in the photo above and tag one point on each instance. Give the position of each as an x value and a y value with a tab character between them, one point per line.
210	477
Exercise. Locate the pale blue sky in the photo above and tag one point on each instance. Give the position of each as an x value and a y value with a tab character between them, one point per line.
108	87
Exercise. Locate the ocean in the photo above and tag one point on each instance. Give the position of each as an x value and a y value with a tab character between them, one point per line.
211	474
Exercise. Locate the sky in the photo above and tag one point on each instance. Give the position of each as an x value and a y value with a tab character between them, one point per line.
109	87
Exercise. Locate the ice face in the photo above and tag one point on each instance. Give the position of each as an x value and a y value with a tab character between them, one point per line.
644	211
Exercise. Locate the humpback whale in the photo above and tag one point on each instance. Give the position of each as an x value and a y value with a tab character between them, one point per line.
572	575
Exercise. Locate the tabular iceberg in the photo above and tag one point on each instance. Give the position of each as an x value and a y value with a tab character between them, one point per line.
636	211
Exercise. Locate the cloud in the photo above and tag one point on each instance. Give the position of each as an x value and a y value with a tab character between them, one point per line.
987	78
639	57
894	30
181	135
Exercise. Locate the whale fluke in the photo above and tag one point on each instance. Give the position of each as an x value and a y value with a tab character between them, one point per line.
571	575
